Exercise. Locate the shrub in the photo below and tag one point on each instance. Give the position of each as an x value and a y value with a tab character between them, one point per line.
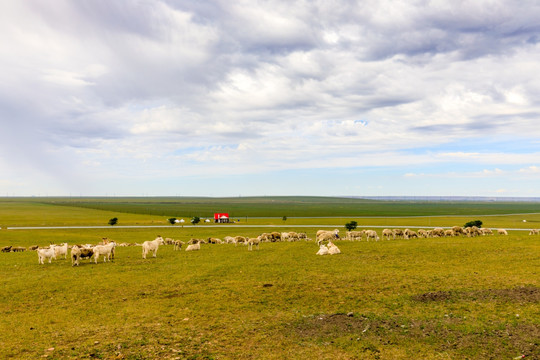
350	226
477	223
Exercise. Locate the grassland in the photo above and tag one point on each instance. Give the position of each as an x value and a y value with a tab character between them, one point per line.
446	298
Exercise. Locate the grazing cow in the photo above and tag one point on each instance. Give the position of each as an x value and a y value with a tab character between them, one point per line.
153	246
47	253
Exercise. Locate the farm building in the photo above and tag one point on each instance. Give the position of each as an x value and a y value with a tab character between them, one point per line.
221	217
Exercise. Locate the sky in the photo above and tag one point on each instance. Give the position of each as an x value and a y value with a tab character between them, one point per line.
248	98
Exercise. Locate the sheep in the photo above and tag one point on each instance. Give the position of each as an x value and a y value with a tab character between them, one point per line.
47	253
106	250
178	244
212	240
449	233
329	236
33	247
326	233
18	249
486	231
196	245
387	233
153	246
412	234
323	250
240	240
7	248
266	237
61	250
169	241
355	235
276	236
458	230
437	232
290	236
253	241
423	233
372	234
80	252
398	233
502	232
333	249
228	240
534	232
303	236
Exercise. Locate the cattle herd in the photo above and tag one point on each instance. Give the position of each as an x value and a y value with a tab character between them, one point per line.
324	238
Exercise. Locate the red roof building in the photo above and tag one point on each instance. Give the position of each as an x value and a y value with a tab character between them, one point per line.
221	217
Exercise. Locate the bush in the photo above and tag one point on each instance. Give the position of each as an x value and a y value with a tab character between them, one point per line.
113	221
477	223
195	220
350	226
172	221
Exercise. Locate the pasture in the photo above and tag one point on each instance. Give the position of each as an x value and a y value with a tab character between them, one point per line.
436	298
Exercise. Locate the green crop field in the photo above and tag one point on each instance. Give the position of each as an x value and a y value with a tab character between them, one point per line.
437	298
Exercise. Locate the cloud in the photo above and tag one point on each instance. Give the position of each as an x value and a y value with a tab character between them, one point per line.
100	90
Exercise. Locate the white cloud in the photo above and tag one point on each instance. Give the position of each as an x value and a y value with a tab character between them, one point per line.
182	88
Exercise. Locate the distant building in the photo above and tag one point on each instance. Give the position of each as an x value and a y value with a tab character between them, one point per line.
221	217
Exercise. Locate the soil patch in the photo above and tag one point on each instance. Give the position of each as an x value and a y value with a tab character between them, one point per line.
524	294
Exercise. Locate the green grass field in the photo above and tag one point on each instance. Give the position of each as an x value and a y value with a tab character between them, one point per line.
442	298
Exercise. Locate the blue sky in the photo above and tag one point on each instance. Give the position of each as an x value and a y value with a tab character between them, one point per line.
220	98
